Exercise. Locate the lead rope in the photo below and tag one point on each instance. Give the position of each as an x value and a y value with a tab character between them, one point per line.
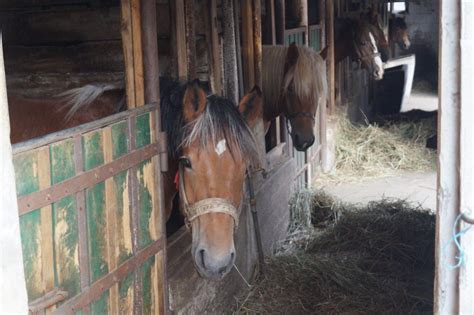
256	226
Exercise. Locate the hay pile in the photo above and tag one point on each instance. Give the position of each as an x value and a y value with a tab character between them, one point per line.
368	151
378	259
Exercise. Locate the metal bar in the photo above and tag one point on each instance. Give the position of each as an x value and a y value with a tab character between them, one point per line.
71	132
95	291
73	185
81	219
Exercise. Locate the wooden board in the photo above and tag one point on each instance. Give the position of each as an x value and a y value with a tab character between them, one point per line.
76	242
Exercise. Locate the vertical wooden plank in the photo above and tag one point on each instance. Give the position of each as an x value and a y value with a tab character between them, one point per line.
212	38
150	52
330	57
280	21
189	10
13	298
466	286
65	220
257	40
96	217
143	130
137	53
127	44
180	37
248	54
111	220
446	279
231	89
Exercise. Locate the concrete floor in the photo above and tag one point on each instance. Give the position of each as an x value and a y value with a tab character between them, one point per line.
415	187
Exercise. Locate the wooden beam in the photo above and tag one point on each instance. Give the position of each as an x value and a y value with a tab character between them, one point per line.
132	51
257	40
330	57
231	83
280	21
180	39
189	9
13	298
150	52
248	55
212	38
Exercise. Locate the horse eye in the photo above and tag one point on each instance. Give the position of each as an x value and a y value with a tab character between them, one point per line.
186	162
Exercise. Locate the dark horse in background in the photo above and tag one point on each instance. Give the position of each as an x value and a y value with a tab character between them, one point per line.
210	146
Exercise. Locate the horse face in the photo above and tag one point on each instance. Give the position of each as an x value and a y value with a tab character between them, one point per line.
367	51
300	107
399	32
376	28
216	170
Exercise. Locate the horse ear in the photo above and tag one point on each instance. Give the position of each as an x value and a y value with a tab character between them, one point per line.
194	101
251	106
292	55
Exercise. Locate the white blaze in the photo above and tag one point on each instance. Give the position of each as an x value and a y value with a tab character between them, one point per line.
377	59
221	147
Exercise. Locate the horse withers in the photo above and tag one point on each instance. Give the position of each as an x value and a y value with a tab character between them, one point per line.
210	144
294	84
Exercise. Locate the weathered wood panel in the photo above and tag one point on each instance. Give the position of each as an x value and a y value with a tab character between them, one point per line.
78	241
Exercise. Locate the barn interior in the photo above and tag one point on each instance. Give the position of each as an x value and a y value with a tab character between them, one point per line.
52	46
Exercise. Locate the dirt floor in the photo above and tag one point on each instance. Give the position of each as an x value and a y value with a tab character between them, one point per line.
415	187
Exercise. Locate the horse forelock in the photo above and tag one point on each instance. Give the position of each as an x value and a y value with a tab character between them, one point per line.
221	120
307	76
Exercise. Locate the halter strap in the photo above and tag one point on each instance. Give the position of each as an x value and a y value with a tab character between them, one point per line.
204	206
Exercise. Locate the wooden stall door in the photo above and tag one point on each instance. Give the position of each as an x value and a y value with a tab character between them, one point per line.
90	217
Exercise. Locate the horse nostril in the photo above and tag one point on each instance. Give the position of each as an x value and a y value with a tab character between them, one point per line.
201	256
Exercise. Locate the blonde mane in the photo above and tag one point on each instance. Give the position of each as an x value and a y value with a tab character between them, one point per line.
308	77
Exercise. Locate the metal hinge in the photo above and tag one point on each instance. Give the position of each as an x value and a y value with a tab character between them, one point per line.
163	151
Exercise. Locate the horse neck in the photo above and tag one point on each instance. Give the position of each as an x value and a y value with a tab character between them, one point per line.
273	72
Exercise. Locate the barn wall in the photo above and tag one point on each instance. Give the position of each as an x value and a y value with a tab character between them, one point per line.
422	22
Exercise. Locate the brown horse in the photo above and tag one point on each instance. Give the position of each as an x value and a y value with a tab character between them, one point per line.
398	32
375	22
210	145
356	40
294	84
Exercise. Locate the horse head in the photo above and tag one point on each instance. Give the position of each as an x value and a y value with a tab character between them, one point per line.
366	50
217	144
398	31
376	27
304	87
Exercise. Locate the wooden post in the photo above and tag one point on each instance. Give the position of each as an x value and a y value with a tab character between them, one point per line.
229	50
280	21
213	45
132	51
180	38
248	45
257	41
240	73
150	52
330	58
269	33
13	298
190	38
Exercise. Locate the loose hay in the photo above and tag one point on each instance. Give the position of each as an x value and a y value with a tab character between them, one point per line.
377	259
368	151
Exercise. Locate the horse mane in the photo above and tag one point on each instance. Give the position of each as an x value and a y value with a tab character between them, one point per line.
79	98
308	76
221	119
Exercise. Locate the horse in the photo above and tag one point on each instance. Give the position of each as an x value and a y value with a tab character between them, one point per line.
210	146
398	32
32	118
376	28
294	84
357	41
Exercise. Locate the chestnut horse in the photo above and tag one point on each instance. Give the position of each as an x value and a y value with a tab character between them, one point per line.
294	84
398	32
356	40
375	22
